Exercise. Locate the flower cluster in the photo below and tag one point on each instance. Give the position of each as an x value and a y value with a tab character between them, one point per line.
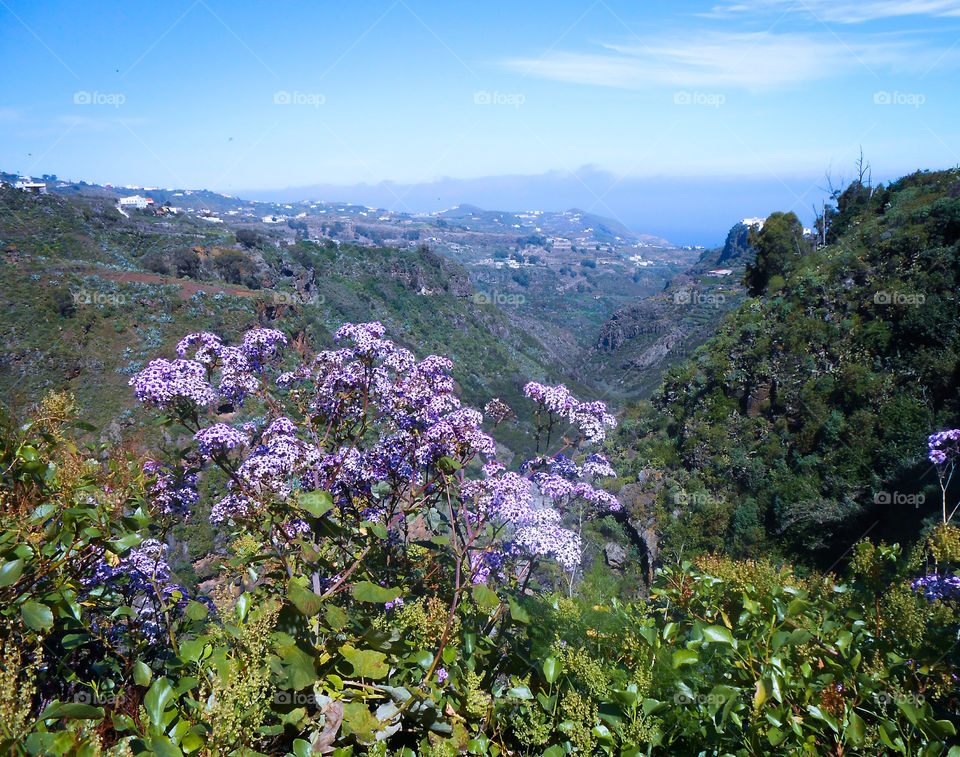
591	418
219	439
172	492
944	447
143	571
936	586
169	385
379	426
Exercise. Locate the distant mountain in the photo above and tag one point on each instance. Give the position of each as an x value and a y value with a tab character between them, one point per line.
567	223
688	210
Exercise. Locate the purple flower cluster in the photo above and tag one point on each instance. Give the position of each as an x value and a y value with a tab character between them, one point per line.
944	447
232	507
219	439
169	385
591	418
144	570
208	346
262	344
379	423
172	492
597	466
935	586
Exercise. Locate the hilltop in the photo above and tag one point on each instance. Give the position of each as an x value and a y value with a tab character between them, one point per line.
802	423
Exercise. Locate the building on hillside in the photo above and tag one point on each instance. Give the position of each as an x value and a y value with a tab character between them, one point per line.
135	201
720	272
754	222
29	185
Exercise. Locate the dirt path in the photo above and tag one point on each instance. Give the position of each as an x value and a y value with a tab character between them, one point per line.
187	288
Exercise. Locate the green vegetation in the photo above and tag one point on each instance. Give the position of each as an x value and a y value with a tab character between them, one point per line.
802	423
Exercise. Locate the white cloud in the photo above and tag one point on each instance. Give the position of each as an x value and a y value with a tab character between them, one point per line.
846	12
753	61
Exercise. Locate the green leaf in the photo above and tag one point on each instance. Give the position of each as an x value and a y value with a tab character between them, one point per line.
10	572
304	600
71	711
163	747
448	464
197	610
551	669
367	663
27	453
365	591
685	657
486	599
142	674
856	729
520	692
518	613
39	617
157	699
298	668
337	619
316	503
719	635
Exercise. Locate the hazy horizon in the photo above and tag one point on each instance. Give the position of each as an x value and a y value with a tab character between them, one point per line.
621	106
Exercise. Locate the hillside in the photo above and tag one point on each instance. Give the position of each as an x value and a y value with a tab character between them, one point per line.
802	424
89	295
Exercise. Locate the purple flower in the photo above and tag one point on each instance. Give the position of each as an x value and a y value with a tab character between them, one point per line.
394	603
935	586
944	446
262	344
208	346
219	439
598	466
169	385
442	675
233	507
173	492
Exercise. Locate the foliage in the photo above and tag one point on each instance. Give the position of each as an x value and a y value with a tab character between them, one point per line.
382	594
801	424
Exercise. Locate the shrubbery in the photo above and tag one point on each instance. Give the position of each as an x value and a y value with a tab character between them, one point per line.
389	588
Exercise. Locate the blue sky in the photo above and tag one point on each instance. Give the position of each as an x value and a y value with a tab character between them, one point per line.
759	97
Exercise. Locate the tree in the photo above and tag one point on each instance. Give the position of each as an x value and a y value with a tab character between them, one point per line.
778	244
248	238
186	263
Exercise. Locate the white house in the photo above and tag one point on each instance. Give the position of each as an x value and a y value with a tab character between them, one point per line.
135	201
754	222
720	272
29	185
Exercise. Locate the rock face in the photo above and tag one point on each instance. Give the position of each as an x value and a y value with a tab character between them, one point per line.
615	555
639	500
648	317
